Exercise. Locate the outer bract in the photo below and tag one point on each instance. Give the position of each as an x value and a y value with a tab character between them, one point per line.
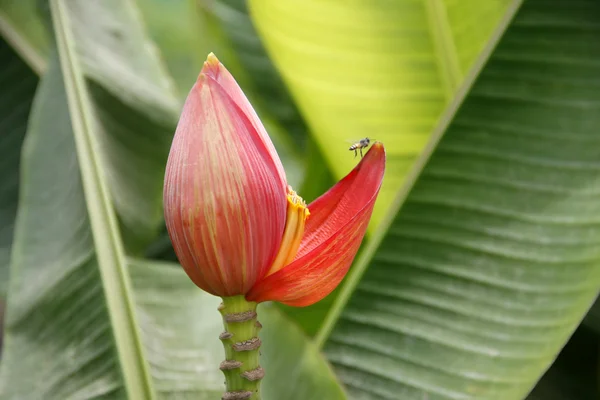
225	188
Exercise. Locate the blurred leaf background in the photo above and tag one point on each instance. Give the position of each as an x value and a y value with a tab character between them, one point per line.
483	255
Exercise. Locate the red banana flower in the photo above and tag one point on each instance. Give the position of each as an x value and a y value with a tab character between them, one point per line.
236	226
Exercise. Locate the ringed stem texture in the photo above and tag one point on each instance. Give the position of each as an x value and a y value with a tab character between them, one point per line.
241	367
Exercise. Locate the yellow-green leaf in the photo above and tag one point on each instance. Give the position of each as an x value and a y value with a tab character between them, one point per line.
379	69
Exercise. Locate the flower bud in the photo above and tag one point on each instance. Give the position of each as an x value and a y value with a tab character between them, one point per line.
235	224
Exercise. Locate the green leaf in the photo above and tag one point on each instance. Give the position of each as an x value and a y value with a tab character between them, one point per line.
133	99
172	26
108	247
72	314
319	177
383	70
22	26
494	257
310	318
58	274
295	368
134	107
18	84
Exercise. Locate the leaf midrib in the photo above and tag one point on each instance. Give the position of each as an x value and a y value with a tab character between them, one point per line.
107	240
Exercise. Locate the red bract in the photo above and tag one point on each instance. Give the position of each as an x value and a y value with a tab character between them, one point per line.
236	226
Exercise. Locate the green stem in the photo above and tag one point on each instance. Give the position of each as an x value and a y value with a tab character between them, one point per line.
240	340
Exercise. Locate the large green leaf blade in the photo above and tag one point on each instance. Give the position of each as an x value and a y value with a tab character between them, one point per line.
494	258
470	24
107	241
18	84
55	278
135	106
383	70
133	98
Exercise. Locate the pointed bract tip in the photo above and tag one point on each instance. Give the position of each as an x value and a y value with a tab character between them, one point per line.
377	149
212	59
378	146
201	77
211	66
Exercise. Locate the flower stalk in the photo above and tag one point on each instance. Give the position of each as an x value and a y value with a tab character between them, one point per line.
241	367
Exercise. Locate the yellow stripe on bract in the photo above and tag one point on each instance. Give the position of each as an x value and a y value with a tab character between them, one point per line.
220	167
297	212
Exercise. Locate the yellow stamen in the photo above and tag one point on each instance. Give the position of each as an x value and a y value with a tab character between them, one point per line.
297	212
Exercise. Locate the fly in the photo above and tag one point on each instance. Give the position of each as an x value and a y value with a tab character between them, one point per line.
359	146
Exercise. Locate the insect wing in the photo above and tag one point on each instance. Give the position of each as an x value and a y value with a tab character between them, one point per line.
348	141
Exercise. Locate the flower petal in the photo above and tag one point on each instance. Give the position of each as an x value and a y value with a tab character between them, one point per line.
332	210
214	69
336	226
225	204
